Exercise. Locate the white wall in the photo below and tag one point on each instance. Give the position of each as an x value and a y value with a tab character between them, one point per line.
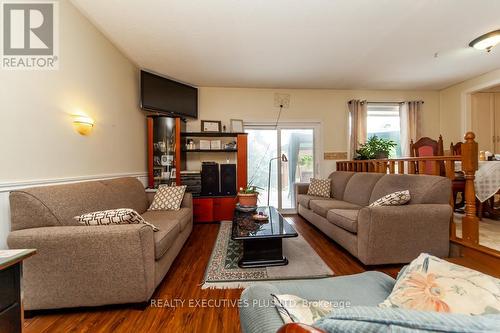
38	141
329	107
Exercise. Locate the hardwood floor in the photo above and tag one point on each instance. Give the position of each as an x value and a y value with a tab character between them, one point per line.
183	283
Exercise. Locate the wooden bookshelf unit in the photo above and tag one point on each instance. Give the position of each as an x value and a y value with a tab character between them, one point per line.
206	209
218	208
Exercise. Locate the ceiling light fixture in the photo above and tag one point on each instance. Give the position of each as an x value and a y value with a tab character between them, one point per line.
486	41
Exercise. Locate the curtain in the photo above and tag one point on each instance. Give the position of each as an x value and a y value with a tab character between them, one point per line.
357	125
409	117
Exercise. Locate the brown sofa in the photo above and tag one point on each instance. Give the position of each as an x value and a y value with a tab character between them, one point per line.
80	265
382	235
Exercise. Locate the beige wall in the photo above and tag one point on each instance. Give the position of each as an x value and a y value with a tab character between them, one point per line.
456	103
329	107
37	137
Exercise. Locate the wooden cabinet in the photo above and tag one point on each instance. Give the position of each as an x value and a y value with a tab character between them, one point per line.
224	208
203	210
164	156
213	209
11	308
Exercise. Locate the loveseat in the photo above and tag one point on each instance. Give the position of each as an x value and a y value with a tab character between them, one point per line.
382	235
80	265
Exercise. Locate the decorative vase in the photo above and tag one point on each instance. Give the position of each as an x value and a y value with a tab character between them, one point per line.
381	155
247	200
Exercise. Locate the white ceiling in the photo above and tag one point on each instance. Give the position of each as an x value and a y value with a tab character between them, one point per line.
339	44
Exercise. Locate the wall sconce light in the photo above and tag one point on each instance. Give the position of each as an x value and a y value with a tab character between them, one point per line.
83	124
486	41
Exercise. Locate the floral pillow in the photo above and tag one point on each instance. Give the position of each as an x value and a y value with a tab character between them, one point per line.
433	284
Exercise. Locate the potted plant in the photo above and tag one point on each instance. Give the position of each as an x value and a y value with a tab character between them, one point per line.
247	196
375	148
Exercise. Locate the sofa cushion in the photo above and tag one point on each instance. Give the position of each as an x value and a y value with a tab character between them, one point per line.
183	215
344	218
321	207
169	229
339	182
360	186
58	204
305	199
127	192
423	188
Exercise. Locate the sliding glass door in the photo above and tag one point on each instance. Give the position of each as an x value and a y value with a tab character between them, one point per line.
266	146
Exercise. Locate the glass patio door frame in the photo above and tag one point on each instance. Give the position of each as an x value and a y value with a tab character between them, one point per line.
306	125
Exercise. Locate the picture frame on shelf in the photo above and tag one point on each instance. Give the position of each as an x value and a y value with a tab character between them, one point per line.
215	145
205	144
211	126
236	125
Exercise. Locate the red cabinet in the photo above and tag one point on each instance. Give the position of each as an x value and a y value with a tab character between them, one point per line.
213	209
203	209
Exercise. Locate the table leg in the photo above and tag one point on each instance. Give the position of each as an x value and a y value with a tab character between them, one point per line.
262	253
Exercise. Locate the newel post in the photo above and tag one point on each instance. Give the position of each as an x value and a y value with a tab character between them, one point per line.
470	226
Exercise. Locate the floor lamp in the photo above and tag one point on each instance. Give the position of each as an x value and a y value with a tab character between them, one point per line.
283	159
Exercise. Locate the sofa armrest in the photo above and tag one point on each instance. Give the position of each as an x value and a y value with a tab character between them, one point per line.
298	328
187	201
301	188
86	265
398	234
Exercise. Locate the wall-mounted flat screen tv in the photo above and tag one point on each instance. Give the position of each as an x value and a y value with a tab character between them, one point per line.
159	94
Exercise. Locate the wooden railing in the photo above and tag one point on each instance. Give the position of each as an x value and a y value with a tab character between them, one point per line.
435	165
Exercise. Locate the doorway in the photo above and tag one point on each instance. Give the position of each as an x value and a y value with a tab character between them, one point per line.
266	144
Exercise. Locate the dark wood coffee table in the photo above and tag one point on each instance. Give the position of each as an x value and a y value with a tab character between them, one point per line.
262	241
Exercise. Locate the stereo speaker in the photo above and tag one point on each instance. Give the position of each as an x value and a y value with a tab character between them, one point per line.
228	179
210	178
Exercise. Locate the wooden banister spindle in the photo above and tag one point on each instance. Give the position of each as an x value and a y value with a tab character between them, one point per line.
436	170
450	169
401	167
470	225
411	167
421	167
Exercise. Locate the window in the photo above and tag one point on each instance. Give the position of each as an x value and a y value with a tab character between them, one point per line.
383	121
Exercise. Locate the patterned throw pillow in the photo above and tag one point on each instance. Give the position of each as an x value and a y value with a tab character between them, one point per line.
394	199
168	198
294	309
433	284
319	187
113	216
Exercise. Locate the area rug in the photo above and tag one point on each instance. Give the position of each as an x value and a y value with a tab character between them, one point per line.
223	272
